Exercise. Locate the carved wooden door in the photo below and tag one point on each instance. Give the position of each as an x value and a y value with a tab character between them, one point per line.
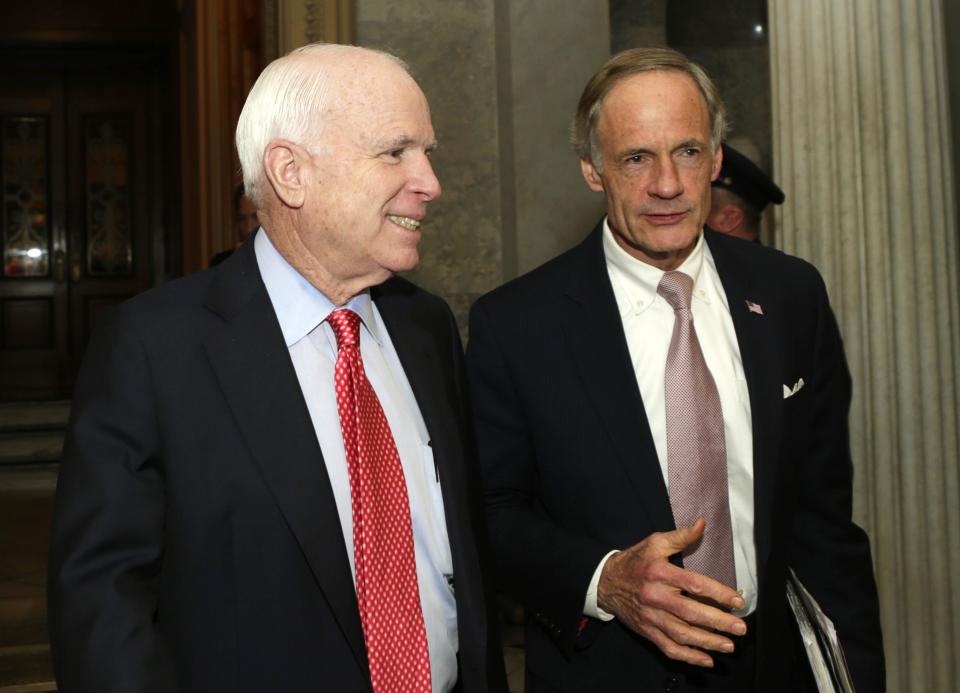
76	180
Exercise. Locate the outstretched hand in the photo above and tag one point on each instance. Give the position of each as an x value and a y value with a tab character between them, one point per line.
663	603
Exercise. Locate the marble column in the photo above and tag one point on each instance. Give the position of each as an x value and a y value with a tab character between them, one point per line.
862	147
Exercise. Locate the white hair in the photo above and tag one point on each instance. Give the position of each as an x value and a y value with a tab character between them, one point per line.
289	101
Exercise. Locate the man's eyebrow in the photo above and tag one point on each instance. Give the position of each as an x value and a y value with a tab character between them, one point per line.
401	141
692	142
633	151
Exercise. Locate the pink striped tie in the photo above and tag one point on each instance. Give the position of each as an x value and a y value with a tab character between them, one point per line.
387	591
696	451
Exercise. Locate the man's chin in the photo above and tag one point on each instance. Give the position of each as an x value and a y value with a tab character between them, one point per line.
405	262
660	249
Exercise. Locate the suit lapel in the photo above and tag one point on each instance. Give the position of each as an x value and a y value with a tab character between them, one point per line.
254	368
756	337
421	363
440	405
423	366
594	331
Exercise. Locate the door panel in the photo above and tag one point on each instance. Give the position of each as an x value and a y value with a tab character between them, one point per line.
75	162
108	210
33	300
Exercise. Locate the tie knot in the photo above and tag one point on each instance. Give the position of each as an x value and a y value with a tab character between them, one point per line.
346	327
676	288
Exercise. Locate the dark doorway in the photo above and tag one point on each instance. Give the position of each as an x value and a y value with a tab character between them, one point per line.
82	166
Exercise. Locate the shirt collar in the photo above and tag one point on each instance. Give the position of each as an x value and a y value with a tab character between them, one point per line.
635	282
299	305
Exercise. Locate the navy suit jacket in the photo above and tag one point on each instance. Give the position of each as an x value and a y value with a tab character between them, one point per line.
571	471
196	544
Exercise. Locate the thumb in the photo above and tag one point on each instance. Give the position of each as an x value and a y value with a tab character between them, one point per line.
682	537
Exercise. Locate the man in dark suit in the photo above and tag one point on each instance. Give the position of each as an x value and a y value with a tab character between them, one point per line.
229	520
650	379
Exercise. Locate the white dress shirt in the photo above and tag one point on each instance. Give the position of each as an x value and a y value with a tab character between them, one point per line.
302	311
648	325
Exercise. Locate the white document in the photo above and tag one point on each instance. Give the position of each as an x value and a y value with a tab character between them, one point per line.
820	640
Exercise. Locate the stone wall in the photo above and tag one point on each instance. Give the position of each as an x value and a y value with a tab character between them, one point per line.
451	49
502	79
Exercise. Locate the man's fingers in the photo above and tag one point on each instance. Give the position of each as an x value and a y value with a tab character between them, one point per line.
694	584
674	650
677	639
684	633
695	613
704	587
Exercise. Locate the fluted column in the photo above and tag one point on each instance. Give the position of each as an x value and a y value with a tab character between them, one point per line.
862	147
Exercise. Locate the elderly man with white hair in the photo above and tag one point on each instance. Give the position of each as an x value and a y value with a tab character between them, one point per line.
267	483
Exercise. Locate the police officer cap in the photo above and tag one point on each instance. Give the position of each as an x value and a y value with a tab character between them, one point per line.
741	176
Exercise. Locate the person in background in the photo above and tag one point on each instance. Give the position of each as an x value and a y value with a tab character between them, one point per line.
245	222
739	195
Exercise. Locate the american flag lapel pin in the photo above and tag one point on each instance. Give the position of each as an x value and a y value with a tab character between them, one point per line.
754	308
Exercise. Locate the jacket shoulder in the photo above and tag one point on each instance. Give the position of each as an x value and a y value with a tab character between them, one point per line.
545	280
404	289
771	262
401	294
157	305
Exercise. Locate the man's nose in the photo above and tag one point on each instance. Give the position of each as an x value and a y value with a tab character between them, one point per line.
666	181
425	181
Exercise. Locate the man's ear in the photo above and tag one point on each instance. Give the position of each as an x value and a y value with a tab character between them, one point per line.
591	176
726	219
284	166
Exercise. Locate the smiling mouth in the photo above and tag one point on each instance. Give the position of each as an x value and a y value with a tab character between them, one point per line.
405	222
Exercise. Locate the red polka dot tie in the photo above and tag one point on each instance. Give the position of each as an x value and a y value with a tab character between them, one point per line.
387	591
696	447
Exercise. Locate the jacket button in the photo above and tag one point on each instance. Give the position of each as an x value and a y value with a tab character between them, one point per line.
671	685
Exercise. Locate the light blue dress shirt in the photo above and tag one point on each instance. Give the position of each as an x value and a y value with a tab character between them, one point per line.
302	311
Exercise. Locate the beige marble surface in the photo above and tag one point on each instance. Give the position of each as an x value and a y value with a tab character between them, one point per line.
451	49
502	79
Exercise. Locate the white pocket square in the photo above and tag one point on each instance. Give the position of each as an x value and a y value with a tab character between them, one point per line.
791	391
